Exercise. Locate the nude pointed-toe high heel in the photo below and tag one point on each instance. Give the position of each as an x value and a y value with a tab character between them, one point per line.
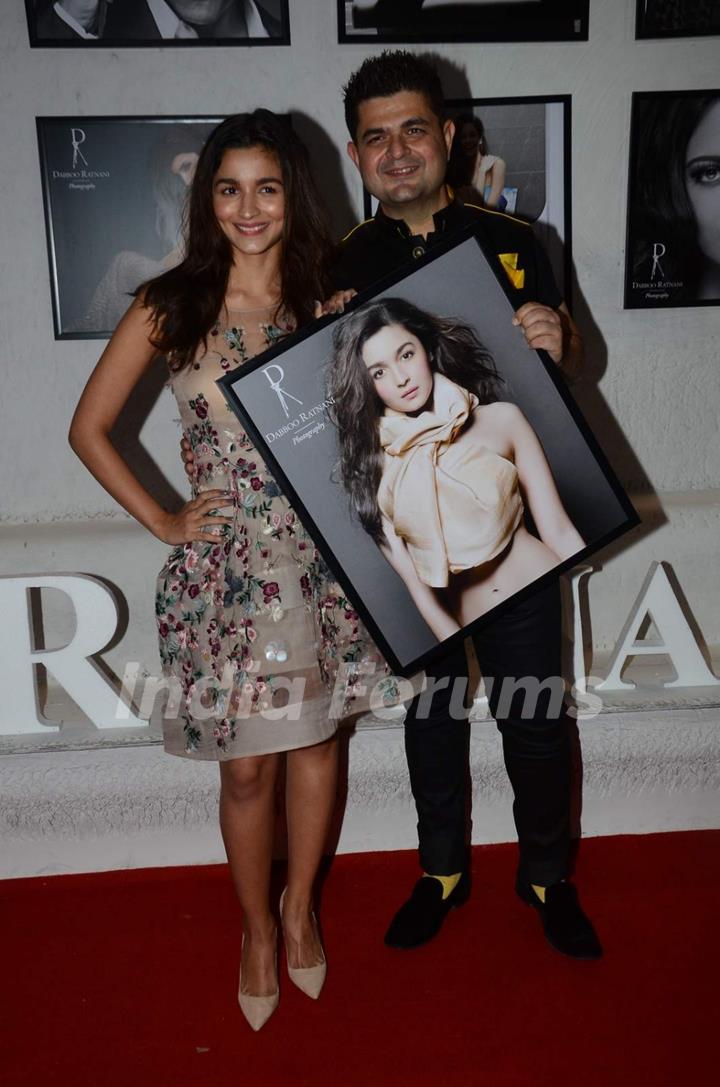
309	979
256	1009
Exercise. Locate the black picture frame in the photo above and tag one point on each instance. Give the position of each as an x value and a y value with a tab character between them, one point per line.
672	256
47	31
113	194
679	19
404	22
454	276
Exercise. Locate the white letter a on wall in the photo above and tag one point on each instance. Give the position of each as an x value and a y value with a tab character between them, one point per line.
657	599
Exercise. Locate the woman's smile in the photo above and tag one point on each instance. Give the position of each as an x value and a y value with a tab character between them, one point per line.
249	199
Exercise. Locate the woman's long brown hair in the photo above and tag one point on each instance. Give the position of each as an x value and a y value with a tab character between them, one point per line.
187	300
452	348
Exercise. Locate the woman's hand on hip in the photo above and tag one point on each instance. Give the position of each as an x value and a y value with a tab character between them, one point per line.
195	519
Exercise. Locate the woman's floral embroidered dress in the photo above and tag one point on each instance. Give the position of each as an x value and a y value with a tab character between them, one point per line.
262	648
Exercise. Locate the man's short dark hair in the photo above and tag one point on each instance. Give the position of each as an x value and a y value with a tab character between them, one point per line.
395	70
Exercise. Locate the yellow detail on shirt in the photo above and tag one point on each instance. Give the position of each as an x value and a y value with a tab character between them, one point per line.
356	227
502	214
515	275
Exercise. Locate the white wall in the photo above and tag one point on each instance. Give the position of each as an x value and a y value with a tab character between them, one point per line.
653	397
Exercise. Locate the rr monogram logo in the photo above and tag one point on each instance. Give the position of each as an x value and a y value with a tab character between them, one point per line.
658	251
276	385
78	137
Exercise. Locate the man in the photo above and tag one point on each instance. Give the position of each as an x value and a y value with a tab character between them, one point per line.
400	143
149	20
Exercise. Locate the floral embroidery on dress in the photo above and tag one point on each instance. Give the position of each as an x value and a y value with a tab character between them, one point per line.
261	593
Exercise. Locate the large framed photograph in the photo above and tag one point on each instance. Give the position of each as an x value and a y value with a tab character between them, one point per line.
672	255
676	18
514	155
442	468
115	190
375	21
118	24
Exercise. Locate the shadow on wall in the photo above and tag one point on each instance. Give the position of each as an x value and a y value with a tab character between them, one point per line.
126	437
614	443
326	159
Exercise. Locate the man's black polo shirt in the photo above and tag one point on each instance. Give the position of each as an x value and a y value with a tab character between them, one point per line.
383	245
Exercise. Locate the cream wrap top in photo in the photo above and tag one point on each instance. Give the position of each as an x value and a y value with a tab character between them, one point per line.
456	504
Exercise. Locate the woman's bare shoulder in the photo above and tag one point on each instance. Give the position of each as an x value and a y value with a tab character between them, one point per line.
500	413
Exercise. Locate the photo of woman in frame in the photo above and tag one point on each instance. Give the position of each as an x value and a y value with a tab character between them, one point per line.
437	469
476	175
674	227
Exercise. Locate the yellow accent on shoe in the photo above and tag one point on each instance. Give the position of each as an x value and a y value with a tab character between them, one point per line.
449	883
539	891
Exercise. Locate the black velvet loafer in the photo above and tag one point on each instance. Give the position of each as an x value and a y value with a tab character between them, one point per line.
566	927
421	917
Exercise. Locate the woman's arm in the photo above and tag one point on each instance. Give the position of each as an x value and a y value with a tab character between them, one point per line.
121	365
497	183
425	599
536	480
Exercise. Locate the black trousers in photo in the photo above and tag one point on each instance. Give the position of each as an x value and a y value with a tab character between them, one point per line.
524	643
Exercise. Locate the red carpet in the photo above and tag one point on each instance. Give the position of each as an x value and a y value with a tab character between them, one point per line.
129	978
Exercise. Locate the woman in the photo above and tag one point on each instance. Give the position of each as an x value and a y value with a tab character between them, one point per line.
249	624
437	469
476	176
677	195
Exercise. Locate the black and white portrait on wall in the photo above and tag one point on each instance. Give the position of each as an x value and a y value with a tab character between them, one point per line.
442	468
473	20
677	18
115	191
118	23
673	228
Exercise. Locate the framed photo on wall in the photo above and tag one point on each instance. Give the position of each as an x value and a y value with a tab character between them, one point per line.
672	253
676	18
376	21
405	432
117	24
514	155
114	190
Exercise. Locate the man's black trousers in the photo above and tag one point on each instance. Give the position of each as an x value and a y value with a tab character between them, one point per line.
524	643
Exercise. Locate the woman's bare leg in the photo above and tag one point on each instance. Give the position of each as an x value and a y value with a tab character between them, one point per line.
310	795
247	809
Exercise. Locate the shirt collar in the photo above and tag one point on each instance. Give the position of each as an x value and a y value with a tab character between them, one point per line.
166	20
446	219
73	23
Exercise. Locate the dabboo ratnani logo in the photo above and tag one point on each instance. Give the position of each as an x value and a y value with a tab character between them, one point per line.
306	423
78	137
79	176
276	386
656	286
